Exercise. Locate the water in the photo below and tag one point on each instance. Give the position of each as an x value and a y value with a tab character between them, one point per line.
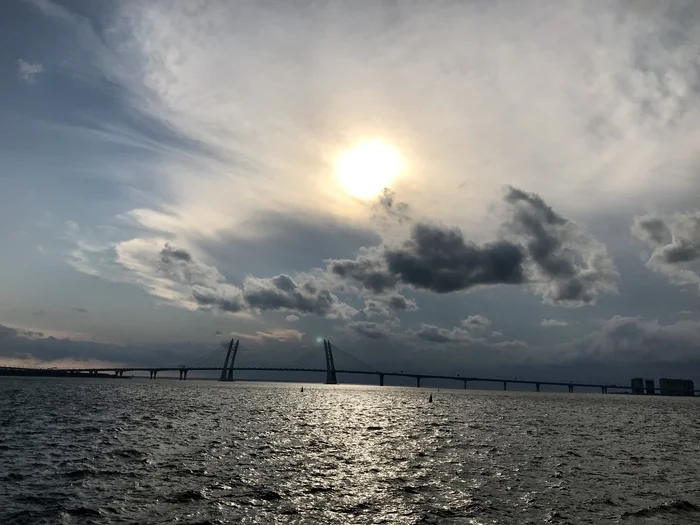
138	451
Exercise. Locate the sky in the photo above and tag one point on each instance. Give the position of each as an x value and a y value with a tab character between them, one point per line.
455	186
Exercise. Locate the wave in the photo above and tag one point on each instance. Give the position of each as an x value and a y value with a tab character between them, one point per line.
676	506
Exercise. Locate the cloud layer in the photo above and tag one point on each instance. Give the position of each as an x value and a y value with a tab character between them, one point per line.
635	340
675	244
199	146
539	248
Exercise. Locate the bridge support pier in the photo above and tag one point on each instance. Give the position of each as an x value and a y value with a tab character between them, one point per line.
537	387
505	386
381	379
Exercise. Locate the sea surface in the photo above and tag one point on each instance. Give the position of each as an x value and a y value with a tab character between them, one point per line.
81	451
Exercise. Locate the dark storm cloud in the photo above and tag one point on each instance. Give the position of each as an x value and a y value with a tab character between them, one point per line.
434	258
209	289
283	293
224	297
568	266
440	260
272	294
680	253
369	269
387	305
401	303
675	244
458	335
181	267
651	229
375	308
436	334
536	222
8	333
370	330
169	252
552	255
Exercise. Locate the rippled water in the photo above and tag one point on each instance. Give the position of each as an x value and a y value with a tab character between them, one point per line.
139	451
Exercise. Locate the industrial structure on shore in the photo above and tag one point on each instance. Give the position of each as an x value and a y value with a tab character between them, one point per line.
667	387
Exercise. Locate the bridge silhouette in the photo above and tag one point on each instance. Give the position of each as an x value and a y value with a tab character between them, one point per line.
228	369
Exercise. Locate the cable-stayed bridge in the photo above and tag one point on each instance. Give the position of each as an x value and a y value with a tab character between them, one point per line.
308	362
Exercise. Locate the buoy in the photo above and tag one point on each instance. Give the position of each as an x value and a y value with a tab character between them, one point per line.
430	399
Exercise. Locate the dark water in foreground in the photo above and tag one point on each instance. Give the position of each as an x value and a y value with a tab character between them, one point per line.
138	451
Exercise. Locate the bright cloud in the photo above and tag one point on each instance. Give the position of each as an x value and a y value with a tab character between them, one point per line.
605	121
28	71
549	323
280	335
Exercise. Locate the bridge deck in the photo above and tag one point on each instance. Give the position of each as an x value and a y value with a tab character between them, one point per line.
323	370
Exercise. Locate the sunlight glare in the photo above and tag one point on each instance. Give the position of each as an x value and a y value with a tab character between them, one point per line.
368	168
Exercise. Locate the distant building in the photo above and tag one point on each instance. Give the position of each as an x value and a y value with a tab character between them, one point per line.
650	390
676	387
637	385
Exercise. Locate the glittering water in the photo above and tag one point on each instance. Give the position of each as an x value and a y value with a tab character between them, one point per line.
139	451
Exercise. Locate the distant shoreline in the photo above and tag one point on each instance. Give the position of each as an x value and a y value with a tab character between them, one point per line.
53	373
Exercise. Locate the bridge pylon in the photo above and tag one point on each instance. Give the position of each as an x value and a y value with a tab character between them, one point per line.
229	377
331	378
225	367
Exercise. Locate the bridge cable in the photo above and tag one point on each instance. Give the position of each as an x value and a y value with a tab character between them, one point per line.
201	358
311	361
304	360
366	366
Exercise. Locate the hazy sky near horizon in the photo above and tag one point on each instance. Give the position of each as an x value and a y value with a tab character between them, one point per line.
169	178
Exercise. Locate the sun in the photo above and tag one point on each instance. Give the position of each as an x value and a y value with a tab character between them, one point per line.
368	168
